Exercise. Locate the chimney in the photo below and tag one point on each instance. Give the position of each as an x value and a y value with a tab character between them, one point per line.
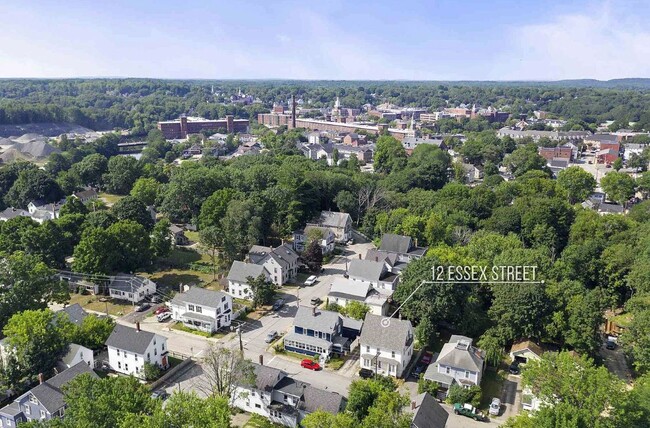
359	256
376	258
293	111
261	360
41	379
137	326
413	405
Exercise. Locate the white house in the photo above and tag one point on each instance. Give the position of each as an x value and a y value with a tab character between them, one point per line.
281	262
525	350
300	238
375	273
77	353
339	223
344	290
131	288
458	362
386	347
201	309
282	399
41	211
129	348
238	278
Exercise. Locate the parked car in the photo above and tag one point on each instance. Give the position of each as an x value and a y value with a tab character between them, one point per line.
610	344
366	373
427	358
164	316
316	301
418	369
162	309
271	336
160	395
311	280
309	364
278	304
155	299
495	407
514	368
468	410
143	307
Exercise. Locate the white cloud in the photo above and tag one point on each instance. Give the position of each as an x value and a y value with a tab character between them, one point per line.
600	43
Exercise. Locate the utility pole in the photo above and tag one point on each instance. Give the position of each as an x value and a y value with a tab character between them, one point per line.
241	344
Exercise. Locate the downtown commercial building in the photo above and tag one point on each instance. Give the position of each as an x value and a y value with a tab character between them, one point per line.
181	128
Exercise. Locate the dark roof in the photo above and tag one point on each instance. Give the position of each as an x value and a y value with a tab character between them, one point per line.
291	386
316	319
10	213
200	296
49	393
266	377
12	409
428	413
89	193
366	269
395	243
129	283
129	339
316	398
76	313
239	271
379	255
393	336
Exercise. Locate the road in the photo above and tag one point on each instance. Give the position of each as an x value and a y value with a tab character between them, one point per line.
253	334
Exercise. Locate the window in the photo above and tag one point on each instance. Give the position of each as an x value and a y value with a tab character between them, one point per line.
392	354
223	299
367	348
199	309
163	346
378	364
466	375
33	399
448	370
258	406
118	352
190	308
28	410
126	367
148	356
136	356
155	352
42	414
119	365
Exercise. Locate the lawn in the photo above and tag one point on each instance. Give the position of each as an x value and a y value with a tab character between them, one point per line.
257	421
335	363
184	266
114	307
179	326
491	386
109	198
192	236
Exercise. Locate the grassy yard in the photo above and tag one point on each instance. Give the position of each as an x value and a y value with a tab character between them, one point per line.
491	386
257	421
335	363
179	326
110	199
192	236
92	303
184	266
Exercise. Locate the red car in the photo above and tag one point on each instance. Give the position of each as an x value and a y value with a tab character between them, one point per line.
309	364
426	358
161	309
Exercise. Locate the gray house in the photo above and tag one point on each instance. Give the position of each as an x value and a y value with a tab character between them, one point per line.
404	247
44	401
427	412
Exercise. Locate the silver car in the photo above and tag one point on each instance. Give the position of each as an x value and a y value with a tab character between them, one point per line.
271	336
495	407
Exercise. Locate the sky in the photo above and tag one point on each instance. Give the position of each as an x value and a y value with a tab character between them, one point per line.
334	39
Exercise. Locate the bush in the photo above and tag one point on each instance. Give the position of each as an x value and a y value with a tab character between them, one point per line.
425	385
151	372
458	394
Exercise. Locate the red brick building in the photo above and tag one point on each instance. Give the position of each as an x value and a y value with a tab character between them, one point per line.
550	153
181	128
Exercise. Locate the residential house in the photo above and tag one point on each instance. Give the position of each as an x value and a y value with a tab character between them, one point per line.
76	314
281	262
11	212
201	309
85	195
129	348
314	137
594	141
178	235
77	353
132	288
339	223
459	362
525	350
410	143
472	172
354	139
404	247
41	211
319	332
344	290
364	153
375	273
45	401
386	346
238	278
300	238
195	150
560	152
633	149
282	399
427	412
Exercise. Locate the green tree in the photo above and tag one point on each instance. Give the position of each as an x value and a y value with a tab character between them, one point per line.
132	208
262	289
524	159
356	310
224	370
30	186
363	394
617	164
73	205
27	284
146	190
313	256
161	239
48	243
96	253
242	227
122	173
619	186
93	331
578	183
211	241
390	156
39	339
91	169
133	245
214	208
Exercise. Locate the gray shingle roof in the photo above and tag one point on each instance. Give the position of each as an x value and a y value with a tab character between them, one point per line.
12	409
291	386
284	255
76	313
10	213
316	398
129	283
239	271
395	243
129	339
394	337
266	377
319	320
200	296
428	413
334	219
369	270
342	287
49	393
379	255
454	354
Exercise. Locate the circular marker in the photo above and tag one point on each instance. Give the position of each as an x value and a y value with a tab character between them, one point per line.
385	322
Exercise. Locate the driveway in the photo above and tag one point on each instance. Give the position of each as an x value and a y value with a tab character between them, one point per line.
614	360
510	397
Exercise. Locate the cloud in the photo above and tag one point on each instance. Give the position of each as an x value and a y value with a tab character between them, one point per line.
601	43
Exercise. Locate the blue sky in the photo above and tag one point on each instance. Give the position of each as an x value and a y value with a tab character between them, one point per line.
335	39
